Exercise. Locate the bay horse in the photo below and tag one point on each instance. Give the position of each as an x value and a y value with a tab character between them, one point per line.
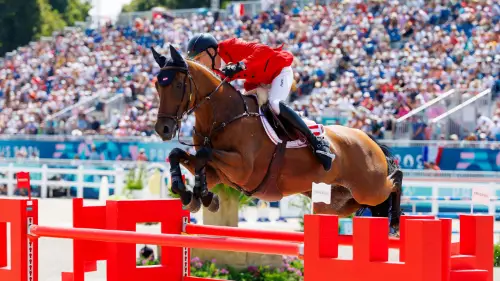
236	145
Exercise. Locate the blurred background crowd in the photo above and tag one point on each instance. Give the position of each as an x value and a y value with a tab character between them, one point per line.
369	61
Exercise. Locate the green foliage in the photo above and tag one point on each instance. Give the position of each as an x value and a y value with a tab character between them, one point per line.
291	270
135	179
26	20
76	10
233	193
18	22
496	255
146	262
59	5
50	19
137	5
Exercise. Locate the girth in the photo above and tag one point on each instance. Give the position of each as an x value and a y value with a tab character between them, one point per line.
268	189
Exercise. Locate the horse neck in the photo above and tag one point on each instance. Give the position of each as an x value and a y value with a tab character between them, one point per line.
223	105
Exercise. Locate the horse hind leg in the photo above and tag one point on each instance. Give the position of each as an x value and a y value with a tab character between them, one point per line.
341	203
391	207
397	185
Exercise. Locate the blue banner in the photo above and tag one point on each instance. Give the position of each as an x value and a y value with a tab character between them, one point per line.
467	159
409	157
103	150
470	159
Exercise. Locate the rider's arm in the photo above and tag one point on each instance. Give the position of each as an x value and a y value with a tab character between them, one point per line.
259	53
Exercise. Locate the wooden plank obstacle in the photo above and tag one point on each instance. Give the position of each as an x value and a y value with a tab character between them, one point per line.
107	233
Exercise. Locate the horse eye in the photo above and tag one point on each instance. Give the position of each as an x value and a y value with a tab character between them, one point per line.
179	85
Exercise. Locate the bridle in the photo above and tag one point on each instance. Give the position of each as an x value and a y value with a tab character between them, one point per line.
188	111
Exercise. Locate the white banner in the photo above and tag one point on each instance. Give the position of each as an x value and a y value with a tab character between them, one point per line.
481	195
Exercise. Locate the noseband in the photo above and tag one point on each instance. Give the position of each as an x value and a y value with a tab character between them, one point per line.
188	111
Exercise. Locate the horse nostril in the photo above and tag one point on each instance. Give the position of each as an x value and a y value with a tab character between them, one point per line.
166	129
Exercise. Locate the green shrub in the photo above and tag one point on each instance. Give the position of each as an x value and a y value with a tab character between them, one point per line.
135	178
291	270
496	255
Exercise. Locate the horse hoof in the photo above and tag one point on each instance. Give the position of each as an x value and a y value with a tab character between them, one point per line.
207	199
195	205
215	204
186	197
394	232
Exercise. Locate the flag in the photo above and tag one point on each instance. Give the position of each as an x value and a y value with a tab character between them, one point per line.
238	9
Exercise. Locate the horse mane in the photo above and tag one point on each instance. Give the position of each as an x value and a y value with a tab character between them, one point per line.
214	75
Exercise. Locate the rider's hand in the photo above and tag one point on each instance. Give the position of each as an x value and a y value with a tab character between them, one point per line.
231	69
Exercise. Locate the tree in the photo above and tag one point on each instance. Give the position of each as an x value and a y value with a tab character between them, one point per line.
18	21
23	21
76	10
50	20
71	10
59	5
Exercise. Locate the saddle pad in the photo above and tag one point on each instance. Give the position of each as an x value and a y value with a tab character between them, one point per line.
317	130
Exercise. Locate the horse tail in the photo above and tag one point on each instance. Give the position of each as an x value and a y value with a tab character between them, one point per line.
393	204
392	164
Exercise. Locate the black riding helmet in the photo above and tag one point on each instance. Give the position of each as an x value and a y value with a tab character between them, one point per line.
201	43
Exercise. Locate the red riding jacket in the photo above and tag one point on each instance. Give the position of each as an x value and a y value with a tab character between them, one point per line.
263	63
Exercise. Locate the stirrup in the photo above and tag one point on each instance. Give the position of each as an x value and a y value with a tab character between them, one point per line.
323	148
327	154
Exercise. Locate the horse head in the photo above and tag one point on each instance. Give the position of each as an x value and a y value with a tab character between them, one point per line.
178	84
177	92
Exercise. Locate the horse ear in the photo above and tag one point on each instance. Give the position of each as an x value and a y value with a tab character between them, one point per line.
176	56
160	60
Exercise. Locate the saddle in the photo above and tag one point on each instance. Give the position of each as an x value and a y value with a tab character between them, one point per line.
282	129
279	130
268	189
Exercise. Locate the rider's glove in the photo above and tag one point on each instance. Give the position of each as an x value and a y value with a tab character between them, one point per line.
232	69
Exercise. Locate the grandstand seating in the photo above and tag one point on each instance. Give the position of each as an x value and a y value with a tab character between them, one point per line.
359	64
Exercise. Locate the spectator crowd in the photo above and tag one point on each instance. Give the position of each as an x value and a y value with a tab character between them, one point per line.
366	63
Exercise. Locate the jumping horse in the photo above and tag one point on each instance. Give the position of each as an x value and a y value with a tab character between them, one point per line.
244	145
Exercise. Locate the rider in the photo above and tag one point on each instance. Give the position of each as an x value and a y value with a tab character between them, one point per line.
258	64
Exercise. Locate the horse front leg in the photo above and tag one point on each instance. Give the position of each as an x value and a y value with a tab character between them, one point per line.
208	176
200	190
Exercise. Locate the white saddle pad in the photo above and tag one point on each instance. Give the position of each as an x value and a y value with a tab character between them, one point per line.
317	130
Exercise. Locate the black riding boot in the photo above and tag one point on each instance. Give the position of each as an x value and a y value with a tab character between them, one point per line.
320	147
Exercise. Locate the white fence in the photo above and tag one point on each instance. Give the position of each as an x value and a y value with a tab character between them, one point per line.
47	178
46	175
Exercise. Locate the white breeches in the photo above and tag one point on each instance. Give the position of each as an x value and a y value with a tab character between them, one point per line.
280	88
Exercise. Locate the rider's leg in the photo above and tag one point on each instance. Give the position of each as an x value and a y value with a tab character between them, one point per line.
280	89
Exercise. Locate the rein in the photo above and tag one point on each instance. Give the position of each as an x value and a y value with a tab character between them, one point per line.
188	111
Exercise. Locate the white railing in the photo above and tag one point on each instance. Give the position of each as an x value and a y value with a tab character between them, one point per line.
459	190
42	175
425	106
86	102
494	177
461	119
117	102
42	172
442	103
